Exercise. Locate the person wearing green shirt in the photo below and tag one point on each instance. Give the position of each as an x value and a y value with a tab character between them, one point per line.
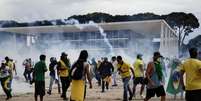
39	77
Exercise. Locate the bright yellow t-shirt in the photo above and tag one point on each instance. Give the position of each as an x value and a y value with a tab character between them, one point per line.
124	70
193	76
64	72
137	70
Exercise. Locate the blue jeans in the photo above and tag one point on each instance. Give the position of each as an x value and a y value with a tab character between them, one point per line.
52	79
126	88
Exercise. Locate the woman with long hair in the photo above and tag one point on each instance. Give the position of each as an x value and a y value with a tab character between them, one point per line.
79	73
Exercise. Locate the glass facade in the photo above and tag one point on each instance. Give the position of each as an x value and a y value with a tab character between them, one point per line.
117	38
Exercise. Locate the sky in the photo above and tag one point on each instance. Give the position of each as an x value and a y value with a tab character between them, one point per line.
31	10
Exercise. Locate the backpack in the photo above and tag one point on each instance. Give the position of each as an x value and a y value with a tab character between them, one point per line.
76	71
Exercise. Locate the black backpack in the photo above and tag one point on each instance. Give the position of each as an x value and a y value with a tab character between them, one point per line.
76	71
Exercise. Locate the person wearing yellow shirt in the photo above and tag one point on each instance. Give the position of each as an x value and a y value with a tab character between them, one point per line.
192	68
125	70
63	70
11	66
139	74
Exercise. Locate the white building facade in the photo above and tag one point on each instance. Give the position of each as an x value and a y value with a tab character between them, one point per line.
133	37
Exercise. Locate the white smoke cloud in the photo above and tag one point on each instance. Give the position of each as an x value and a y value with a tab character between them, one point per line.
31	10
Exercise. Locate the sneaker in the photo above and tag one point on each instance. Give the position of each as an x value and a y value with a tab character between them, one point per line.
102	91
142	96
49	92
9	97
130	98
65	98
114	85
62	96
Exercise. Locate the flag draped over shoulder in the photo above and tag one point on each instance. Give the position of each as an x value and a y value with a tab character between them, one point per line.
174	85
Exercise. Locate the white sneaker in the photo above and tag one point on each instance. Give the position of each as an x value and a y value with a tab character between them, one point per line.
142	96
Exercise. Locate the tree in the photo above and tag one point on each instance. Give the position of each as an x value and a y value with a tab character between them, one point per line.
183	23
9	23
97	17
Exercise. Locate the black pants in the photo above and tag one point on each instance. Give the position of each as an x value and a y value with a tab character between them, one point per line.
27	74
104	83
194	95
5	86
65	83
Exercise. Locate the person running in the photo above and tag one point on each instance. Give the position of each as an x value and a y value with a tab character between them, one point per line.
27	70
11	66
5	79
79	73
192	68
114	74
64	68
125	72
139	75
53	75
106	68
154	75
39	78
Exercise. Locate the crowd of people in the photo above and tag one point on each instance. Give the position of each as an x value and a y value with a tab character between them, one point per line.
77	75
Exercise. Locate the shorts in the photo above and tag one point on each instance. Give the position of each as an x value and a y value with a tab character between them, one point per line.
194	95
159	91
39	88
138	80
